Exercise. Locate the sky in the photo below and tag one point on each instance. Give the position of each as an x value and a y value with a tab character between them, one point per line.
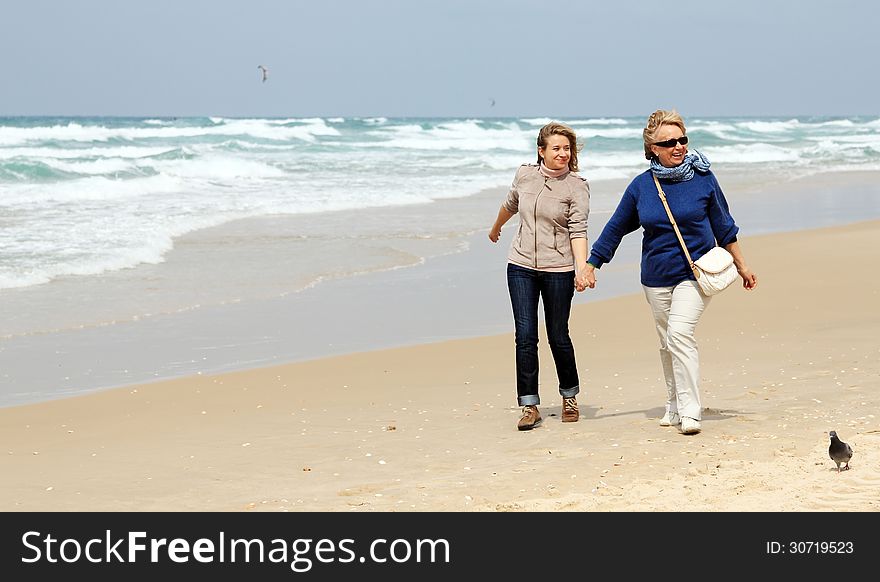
439	58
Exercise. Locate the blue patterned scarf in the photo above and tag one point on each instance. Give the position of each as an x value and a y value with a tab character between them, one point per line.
684	171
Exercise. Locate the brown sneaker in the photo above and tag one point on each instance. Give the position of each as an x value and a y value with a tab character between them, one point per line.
530	418
570	411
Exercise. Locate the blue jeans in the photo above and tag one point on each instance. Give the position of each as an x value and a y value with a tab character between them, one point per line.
556	291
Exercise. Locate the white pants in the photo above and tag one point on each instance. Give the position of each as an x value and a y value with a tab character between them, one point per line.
676	313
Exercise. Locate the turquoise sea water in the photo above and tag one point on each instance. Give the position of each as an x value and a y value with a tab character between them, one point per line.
138	249
86	196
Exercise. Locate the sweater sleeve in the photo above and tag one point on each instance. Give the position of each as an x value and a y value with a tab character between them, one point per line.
624	221
723	226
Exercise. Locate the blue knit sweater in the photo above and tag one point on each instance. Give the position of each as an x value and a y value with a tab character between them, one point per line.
699	208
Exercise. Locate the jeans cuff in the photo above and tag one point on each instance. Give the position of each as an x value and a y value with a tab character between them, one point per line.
570	392
529	400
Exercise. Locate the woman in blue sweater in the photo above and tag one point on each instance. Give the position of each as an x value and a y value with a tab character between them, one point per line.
703	217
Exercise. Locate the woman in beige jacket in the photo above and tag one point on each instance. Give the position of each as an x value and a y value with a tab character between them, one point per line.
547	261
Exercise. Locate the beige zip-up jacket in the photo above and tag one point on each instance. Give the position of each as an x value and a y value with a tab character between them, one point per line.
552	211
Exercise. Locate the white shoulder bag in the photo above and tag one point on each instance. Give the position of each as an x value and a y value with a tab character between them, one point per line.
715	270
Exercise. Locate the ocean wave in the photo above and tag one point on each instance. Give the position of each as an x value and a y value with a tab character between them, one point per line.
218	168
610	133
601	173
598	121
865	139
630	159
769	126
31	171
461	135
837	123
87	195
75	132
576	123
86	189
103	166
82	153
720	130
751	154
474	135
851	149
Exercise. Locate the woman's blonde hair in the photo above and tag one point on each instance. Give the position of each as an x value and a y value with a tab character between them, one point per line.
556	128
660	118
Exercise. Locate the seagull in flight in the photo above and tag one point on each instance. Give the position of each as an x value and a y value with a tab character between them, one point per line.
264	72
491	102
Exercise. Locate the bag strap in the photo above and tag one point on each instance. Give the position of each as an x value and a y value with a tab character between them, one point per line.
675	227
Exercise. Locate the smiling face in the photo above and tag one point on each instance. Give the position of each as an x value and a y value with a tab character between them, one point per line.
669	156
556	152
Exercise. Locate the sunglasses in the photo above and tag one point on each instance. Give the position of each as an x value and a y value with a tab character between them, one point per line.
670	143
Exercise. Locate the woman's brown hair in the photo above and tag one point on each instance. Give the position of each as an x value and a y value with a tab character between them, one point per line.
556	128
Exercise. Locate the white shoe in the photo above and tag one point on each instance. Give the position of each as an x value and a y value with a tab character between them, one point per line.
670	419
689	425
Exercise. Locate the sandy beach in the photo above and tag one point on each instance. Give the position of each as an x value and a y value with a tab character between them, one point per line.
432	427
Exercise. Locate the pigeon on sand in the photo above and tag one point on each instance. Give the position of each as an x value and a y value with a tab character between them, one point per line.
839	451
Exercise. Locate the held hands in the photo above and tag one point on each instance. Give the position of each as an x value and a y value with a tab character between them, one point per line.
585	277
